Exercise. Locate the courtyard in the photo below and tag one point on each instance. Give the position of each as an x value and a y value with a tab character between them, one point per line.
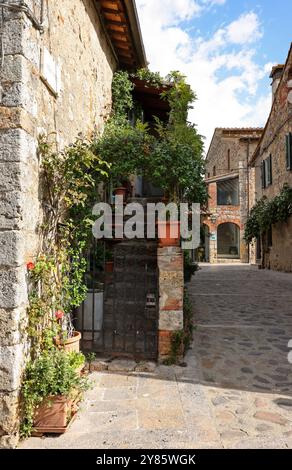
233	391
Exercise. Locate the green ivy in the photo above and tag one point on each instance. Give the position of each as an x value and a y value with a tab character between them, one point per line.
267	213
172	158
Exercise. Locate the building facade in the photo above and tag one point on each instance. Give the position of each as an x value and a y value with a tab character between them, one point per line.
272	162
55	77
230	184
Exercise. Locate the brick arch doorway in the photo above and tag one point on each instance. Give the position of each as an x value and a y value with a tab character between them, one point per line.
228	241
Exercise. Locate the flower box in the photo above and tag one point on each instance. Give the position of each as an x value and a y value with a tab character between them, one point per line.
55	414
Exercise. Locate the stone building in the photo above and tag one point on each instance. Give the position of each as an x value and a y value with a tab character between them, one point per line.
272	162
55	77
231	194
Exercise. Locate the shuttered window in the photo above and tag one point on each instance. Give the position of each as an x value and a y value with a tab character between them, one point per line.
263	172
289	151
267	172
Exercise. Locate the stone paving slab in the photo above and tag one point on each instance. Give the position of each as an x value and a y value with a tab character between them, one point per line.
236	391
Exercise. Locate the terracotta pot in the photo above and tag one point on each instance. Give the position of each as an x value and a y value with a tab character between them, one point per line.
72	344
122	191
168	226
109	267
54	414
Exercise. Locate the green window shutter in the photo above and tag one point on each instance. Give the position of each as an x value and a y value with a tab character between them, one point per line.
289	151
263	172
270	170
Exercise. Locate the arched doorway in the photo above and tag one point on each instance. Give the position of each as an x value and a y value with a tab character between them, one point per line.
228	241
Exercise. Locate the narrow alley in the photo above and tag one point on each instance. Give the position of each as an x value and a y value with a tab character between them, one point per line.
235	391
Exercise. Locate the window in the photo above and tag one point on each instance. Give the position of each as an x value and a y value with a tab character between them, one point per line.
228	192
289	151
214	170
228	160
267	172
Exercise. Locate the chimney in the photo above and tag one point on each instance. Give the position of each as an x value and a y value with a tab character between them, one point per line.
276	75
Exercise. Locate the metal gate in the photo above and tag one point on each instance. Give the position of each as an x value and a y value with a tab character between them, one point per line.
120	314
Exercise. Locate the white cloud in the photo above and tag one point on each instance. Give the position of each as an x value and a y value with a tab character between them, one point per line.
221	69
246	29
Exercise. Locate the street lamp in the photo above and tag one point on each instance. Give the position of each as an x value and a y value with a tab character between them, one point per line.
213	218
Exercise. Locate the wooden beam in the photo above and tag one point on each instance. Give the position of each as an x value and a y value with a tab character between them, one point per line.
119	37
111	5
122	45
117	23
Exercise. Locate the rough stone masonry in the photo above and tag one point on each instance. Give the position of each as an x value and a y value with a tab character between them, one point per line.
43	89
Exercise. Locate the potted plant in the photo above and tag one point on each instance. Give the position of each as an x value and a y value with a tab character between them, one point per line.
66	337
109	261
52	388
168	231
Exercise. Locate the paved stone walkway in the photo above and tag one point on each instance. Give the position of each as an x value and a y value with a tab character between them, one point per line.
234	393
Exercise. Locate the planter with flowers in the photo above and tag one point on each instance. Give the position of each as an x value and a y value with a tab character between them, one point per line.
52	388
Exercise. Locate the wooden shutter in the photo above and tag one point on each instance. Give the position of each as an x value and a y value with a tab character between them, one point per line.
289	151
270	174
263	173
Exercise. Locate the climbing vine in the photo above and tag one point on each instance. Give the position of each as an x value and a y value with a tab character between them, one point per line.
171	156
267	213
56	277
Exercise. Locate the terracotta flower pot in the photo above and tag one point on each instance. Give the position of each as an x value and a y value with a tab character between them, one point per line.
165	230
121	191
109	266
54	414
71	344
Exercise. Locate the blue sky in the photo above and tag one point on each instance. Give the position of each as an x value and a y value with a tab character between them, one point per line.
226	48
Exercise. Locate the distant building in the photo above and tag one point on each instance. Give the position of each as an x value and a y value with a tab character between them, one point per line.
272	162
231	194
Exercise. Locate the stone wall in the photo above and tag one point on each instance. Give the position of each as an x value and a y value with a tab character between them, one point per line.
79	101
279	256
171	291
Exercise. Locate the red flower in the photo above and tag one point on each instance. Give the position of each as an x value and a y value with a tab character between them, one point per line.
59	314
30	266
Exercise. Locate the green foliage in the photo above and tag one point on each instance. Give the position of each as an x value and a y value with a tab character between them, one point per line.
70	181
154	79
180	97
267	213
176	165
190	268
188	320
172	159
125	147
122	96
181	340
177	339
52	374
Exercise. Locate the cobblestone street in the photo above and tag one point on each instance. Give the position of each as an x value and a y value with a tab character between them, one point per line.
235	391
